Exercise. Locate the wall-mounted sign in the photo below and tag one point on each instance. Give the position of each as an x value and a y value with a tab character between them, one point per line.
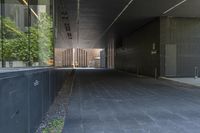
153	51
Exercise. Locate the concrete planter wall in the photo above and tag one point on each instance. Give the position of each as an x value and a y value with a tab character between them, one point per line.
25	96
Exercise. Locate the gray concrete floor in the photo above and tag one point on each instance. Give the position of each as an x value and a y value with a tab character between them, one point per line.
113	102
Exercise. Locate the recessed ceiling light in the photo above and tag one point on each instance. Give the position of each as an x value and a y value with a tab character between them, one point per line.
173	7
25	2
34	13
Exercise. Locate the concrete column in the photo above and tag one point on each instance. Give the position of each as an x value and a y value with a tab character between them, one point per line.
81	57
109	55
67	55
86	59
110	59
113	53
76	55
63	58
71	57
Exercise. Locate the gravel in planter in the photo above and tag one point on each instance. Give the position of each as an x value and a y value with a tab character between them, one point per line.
54	119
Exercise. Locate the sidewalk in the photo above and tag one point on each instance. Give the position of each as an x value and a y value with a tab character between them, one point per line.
190	81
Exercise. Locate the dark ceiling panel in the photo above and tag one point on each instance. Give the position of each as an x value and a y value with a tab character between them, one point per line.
189	9
141	12
97	15
68	7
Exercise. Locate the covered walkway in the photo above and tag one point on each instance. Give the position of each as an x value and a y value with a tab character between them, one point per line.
106	101
79	58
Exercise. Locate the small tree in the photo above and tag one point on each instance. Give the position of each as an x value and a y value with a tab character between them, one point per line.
16	43
11	36
45	38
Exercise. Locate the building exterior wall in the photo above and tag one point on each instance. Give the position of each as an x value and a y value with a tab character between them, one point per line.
139	52
164	47
25	97
93	58
184	33
81	57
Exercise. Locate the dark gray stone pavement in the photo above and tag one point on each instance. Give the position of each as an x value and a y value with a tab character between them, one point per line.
106	101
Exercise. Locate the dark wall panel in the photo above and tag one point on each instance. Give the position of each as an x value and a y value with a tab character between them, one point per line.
25	96
36	100
185	34
14	105
137	54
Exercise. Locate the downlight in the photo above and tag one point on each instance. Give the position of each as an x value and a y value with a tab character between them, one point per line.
175	6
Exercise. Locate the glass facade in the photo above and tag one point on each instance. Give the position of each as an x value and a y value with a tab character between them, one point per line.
26	33
1	34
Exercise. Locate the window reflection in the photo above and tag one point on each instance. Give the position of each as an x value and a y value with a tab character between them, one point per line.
15	35
26	33
41	34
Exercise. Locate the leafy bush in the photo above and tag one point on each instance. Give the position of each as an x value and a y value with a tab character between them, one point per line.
54	126
33	46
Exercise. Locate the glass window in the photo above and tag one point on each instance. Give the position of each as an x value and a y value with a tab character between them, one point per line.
26	37
41	33
15	34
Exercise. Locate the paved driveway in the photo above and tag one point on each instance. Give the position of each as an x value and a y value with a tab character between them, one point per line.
106	101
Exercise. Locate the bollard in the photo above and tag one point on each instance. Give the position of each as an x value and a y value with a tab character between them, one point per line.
196	72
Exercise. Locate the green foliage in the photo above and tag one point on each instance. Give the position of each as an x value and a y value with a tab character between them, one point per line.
45	38
54	126
10	31
33	46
